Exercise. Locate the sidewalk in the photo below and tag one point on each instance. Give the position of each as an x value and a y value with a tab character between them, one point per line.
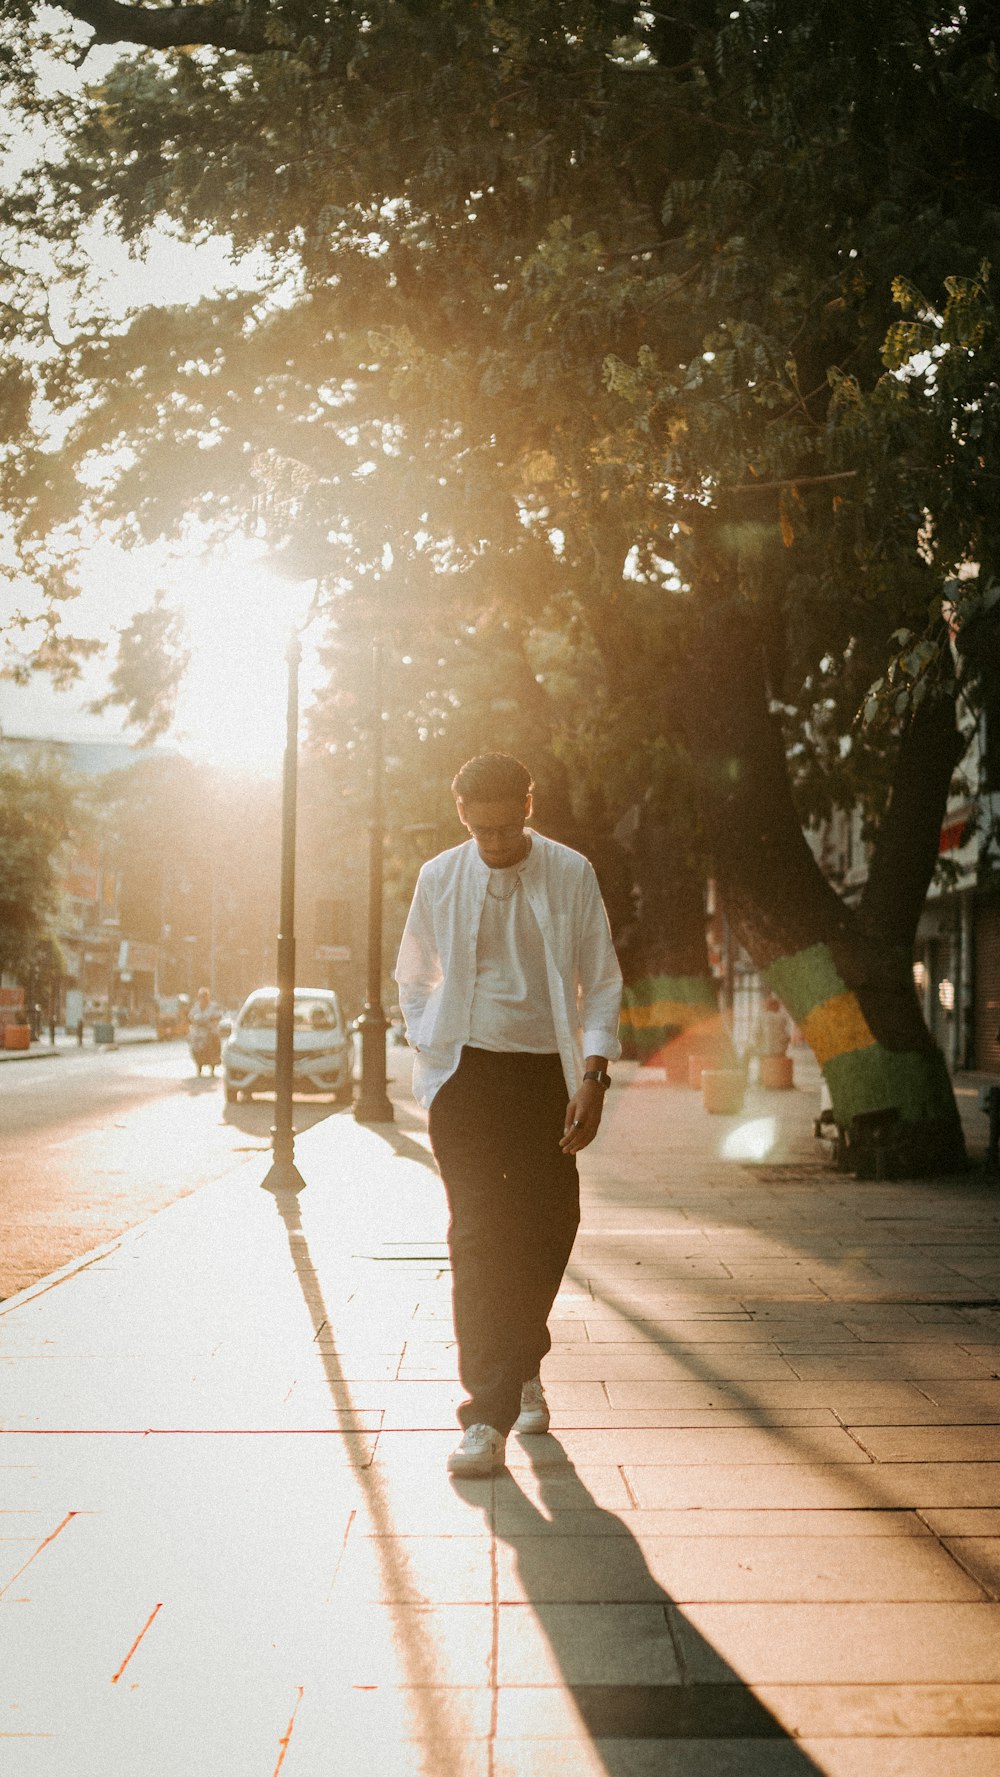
68	1045
763	1539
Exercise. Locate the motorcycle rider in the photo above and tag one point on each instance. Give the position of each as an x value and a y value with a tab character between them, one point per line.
203	1032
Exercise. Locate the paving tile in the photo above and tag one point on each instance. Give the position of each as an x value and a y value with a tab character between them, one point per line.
691	1419
721	1525
884	1710
730	1362
406	1644
844	1485
908	1331
415	1570
391	1726
655	1758
979	1757
643	1712
614	1643
903	1643
980	1556
721	1331
583	1569
892	1363
984	1521
874	1403
930	1402
933	1443
561	1488
721	1444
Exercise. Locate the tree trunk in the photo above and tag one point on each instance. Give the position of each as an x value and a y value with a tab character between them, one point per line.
670	1003
845	977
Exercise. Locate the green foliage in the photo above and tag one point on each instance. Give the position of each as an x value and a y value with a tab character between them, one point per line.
36	812
147	674
538	271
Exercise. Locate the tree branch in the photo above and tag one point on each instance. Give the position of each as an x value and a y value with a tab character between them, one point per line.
769	487
170	27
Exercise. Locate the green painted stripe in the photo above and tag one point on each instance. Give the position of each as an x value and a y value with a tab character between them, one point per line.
688	990
805	980
916	1083
640	1045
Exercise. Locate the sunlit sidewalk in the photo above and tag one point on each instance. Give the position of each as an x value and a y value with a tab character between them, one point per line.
66	1044
763	1536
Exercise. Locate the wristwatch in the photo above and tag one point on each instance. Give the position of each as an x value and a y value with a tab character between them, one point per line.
600	1076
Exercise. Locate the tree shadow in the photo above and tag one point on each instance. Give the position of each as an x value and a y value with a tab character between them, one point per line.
572	1556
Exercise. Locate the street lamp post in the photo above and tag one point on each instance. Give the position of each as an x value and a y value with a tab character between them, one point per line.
284	1176
374	1105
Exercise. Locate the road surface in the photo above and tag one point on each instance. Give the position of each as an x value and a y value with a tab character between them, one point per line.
93	1141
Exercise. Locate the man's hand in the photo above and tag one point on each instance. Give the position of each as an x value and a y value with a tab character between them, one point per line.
583	1117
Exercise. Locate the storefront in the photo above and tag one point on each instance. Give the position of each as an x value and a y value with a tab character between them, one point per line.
987	985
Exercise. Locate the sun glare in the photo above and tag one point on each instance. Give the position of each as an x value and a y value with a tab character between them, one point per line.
232	706
751	1141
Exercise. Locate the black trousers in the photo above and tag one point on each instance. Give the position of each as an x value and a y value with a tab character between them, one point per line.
514	1199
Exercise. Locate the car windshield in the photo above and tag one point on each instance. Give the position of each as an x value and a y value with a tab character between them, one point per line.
314	1015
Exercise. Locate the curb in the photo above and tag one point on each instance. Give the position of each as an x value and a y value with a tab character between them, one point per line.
45	1052
29	1054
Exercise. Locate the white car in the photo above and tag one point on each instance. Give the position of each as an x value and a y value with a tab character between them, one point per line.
321	1049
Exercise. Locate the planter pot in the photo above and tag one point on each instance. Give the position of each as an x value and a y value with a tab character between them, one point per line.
722	1090
776	1071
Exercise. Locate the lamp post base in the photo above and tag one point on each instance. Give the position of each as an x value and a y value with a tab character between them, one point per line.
284	1174
374	1110
373	1104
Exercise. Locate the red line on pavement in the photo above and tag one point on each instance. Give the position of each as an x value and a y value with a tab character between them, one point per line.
42	1545
283	1743
136	1642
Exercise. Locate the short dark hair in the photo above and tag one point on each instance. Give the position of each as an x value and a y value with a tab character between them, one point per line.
492	777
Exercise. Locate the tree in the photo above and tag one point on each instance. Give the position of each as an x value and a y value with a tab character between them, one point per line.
36	817
602	347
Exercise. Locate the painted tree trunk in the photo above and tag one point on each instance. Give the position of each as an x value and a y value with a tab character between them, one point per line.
844	974
670	1001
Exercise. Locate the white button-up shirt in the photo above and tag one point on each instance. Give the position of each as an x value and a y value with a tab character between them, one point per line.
436	968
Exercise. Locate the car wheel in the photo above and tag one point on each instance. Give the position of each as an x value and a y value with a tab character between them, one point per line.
232	1096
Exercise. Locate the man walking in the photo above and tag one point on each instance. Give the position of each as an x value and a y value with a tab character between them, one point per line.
511	991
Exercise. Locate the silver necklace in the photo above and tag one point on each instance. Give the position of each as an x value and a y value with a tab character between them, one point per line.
510	892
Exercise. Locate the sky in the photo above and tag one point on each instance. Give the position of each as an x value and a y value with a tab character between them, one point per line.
237	618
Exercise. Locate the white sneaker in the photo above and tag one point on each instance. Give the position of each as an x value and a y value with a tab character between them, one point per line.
534	1415
481	1452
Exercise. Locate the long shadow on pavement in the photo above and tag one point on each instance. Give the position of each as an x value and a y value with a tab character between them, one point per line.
573	1556
434	1728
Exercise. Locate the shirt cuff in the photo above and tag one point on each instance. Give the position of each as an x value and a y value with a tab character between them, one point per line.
602	1042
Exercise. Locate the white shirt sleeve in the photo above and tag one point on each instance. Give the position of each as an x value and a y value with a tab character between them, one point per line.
599	992
418	966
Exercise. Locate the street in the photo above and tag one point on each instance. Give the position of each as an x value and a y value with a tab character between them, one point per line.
93	1141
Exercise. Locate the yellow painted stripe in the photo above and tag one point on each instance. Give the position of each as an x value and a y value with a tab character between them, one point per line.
837	1027
666	1012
